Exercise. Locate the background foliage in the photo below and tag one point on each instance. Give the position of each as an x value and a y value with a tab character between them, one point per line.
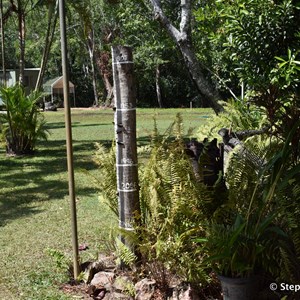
237	42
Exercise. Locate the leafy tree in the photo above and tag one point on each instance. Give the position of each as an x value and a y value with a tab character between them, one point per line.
87	33
255	43
259	34
45	29
258	31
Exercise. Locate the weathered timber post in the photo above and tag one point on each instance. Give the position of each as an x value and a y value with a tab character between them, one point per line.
125	133
68	125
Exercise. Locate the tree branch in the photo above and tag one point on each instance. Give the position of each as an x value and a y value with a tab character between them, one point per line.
183	40
164	21
185	23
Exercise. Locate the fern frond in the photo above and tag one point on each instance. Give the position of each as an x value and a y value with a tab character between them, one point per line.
125	254
106	160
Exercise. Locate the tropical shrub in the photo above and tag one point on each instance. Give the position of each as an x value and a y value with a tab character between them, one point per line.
23	124
174	205
256	228
183	222
237	115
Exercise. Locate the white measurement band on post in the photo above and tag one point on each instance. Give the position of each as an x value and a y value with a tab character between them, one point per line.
125	225
128	191
127	165
125	109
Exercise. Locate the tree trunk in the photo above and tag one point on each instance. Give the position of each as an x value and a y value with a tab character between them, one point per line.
196	72
125	130
21	23
91	49
157	85
183	40
102	62
2	44
109	101
53	9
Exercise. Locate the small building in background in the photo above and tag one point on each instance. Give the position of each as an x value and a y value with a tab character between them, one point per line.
54	89
30	78
12	77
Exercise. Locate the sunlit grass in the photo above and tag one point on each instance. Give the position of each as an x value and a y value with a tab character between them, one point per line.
34	201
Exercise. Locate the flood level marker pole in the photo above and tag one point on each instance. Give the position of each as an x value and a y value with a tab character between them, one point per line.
125	133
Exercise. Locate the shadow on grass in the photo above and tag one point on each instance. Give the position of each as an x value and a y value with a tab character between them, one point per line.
59	125
27	180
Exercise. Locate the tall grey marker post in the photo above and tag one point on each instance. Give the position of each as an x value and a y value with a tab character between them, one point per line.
125	133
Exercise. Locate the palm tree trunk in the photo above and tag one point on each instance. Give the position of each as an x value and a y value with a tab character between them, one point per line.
2	44
21	24
52	10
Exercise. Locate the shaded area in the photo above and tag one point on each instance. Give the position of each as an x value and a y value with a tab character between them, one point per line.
58	125
26	180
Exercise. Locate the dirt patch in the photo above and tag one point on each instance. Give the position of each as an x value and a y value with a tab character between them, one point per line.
78	290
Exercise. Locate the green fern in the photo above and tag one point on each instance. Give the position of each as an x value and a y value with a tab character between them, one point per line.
106	160
237	116
173	206
62	262
124	254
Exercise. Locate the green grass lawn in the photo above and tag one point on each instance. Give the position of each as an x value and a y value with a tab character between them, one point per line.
34	202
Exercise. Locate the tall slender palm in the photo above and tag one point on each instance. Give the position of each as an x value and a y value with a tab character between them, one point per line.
52	21
21	6
2	43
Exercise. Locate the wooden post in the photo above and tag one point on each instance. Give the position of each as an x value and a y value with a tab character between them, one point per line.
125	133
68	124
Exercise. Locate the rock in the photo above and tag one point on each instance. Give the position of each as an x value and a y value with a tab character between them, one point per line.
90	269
96	293
108	262
123	284
103	279
117	296
145	289
184	293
